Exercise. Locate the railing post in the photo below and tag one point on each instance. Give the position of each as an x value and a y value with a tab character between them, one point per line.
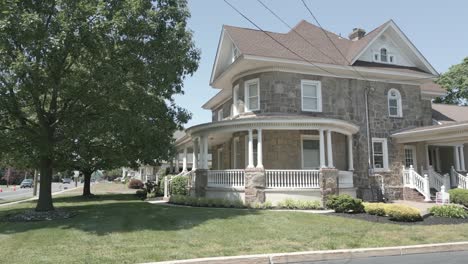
427	190
411	176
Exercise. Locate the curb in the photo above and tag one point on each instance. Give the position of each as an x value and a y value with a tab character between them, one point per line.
323	255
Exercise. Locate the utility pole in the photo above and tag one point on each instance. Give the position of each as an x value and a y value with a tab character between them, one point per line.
8	177
35	183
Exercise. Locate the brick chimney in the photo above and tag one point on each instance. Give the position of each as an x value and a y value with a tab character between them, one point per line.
357	34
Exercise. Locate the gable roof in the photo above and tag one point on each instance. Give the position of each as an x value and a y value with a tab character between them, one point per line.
317	48
445	113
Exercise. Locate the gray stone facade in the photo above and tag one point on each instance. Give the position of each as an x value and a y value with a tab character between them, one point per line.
280	94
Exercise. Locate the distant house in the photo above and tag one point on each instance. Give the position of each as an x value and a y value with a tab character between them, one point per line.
298	118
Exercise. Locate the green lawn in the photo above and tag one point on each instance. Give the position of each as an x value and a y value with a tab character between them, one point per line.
117	228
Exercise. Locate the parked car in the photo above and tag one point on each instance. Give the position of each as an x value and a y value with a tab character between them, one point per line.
27	183
66	180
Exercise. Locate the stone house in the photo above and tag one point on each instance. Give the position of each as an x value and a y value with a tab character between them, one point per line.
298	116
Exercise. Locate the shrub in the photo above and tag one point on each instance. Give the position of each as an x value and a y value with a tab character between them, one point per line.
344	204
375	208
448	210
299	204
135	184
142	194
179	185
265	205
205	202
459	196
402	213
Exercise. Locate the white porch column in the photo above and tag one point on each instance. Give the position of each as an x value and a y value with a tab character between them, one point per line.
330	149
205	152
322	149
456	157
195	155
437	158
177	163
350	153
427	156
259	149
250	151
462	158
184	160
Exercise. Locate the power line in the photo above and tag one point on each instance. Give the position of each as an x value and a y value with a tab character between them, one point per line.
274	39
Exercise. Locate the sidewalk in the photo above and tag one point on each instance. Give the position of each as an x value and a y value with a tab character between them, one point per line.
323	255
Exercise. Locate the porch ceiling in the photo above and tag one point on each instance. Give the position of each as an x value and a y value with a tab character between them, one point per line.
447	133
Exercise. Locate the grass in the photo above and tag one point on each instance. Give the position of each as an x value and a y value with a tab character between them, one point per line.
116	227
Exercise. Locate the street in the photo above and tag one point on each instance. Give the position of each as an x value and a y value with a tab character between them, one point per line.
428	258
8	194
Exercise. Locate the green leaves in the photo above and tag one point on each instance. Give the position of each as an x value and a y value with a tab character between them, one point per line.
455	81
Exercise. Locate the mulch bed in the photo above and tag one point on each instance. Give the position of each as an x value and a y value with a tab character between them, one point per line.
429	220
33	216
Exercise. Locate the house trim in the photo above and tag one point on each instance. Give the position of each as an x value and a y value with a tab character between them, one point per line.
308	137
384	154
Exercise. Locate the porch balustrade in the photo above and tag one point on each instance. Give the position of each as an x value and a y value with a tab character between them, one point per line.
292	178
415	181
461	181
226	178
436	180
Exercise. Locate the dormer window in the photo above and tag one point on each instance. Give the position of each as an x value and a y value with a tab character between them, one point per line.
383	56
235	53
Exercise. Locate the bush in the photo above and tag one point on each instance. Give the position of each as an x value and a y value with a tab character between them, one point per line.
142	194
449	210
402	213
265	205
179	185
344	204
459	196
135	184
299	204
375	208
205	202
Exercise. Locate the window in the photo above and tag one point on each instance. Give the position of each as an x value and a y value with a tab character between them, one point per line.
383	55
252	95
235	53
410	156
310	152
380	154
311	96
235	103
394	103
220	115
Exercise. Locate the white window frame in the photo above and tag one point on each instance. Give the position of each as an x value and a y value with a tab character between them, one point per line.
234	53
399	103
318	86
376	56
413	149
247	96
309	137
384	154
220	114
235	100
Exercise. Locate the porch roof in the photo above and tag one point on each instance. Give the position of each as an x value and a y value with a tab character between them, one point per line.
451	132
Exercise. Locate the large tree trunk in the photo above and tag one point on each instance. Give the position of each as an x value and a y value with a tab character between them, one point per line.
45	189
87	184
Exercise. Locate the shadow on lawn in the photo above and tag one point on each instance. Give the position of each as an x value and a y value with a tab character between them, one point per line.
111	213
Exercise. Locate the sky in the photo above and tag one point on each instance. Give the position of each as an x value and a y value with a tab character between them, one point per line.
437	28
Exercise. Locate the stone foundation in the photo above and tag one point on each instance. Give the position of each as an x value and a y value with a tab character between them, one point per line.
201	181
255	183
412	195
328	183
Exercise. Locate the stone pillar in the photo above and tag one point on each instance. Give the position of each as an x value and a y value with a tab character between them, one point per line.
328	183
250	151
195	155
201	181
184	160
350	153
255	184
322	149
259	149
330	149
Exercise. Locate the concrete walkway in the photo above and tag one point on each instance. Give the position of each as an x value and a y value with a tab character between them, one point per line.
422	206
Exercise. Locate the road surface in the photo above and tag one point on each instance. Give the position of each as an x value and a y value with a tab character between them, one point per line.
8	194
429	258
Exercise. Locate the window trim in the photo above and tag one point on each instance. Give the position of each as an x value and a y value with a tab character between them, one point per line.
309	137
318	85
384	154
399	103
247	95
376	56
413	149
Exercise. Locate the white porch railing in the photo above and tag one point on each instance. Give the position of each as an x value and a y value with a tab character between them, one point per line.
461	181
436	180
292	178
191	179
415	181
226	178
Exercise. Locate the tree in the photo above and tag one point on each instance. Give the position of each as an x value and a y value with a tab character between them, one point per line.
455	81
65	62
